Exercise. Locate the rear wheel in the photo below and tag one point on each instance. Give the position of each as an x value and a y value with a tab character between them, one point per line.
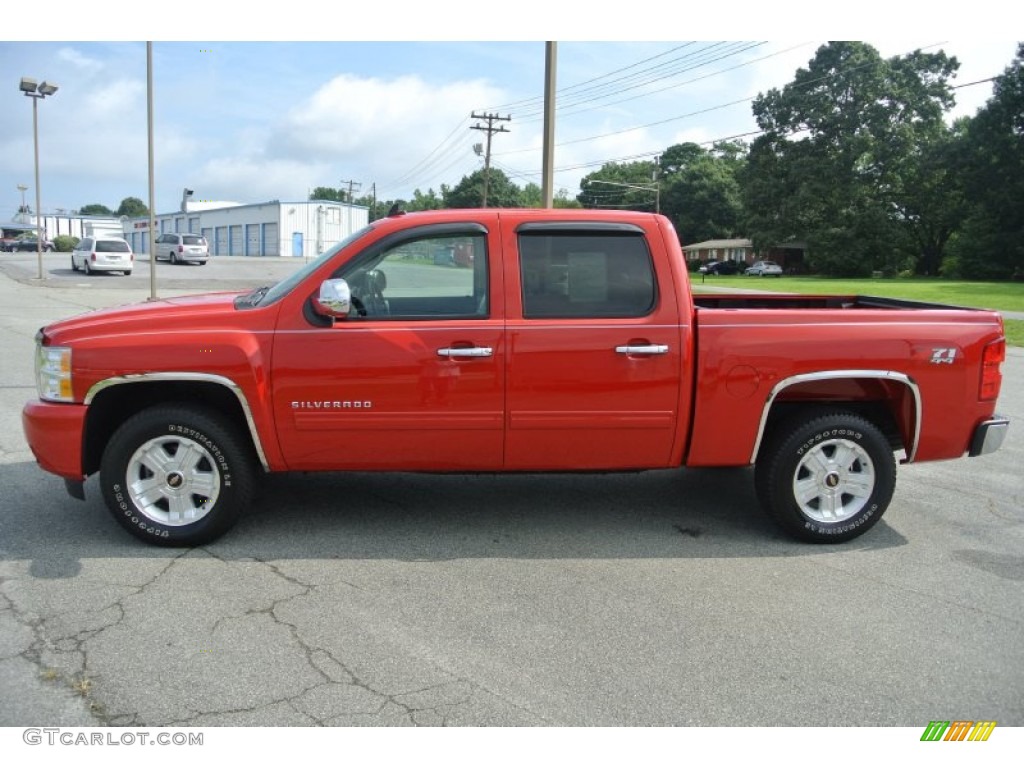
74	267
828	479
176	475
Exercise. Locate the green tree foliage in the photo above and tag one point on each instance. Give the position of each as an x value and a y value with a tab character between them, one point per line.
604	188
328	193
851	152
429	201
700	190
132	207
533	197
95	209
469	193
991	242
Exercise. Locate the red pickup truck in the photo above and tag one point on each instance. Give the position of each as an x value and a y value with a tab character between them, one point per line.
562	341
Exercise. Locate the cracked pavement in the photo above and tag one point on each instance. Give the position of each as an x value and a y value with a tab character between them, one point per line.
661	598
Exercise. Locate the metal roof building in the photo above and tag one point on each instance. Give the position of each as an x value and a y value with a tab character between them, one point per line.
304	228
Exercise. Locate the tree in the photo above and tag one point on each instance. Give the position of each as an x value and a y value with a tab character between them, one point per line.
430	201
469	192
846	147
533	197
991	243
95	209
628	186
328	193
700	191
132	207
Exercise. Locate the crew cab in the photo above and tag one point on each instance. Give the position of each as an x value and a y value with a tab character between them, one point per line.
570	341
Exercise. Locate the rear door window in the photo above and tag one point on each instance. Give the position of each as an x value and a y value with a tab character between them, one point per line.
581	274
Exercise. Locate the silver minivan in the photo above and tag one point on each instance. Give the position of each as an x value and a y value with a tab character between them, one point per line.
102	254
182	247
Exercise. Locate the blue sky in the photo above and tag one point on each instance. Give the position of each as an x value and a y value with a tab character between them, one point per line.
253	121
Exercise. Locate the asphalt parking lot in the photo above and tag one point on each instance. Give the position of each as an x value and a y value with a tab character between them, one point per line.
661	598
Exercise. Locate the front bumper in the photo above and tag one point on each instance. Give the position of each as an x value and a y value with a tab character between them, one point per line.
989	436
54	433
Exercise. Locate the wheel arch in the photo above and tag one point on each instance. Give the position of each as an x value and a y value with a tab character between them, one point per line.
114	400
889	399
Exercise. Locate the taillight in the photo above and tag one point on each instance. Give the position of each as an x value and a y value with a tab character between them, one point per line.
181	249
92	257
991	377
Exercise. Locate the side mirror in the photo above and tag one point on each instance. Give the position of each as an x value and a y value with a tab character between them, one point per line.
334	300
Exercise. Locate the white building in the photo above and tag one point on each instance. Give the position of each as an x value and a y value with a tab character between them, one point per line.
275	228
71	224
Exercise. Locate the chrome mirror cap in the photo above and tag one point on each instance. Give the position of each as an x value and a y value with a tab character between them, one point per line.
334	299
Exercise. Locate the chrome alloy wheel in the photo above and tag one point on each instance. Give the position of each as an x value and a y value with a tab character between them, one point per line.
833	481
173	480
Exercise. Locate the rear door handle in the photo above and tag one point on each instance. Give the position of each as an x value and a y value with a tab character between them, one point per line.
451	352
643	349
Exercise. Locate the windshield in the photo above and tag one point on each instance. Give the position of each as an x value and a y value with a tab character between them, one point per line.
285	286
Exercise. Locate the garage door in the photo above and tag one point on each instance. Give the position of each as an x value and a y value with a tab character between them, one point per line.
271	241
237	248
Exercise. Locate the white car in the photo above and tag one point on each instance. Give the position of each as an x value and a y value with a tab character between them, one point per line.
103	254
178	247
763	268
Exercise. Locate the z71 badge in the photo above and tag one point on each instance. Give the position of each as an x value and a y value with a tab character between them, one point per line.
943	355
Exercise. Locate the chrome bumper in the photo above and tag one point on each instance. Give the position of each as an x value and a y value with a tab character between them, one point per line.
989	436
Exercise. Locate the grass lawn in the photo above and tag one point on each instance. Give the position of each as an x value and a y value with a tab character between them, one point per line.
1008	297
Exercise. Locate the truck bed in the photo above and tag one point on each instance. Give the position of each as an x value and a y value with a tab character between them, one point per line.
808	301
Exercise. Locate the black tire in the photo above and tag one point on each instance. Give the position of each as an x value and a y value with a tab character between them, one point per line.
173	258
161	468
85	267
74	267
844	467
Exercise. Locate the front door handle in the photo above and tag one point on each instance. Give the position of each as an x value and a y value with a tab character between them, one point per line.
642	349
451	352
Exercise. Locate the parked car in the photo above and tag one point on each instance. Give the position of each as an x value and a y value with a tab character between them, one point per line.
720	268
29	243
104	254
182	247
762	268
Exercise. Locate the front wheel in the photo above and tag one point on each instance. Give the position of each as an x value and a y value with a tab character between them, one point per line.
175	475
828	479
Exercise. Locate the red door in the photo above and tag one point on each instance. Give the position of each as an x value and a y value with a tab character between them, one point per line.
594	349
415	383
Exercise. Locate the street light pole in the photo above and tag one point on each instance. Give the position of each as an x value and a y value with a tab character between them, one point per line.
35	92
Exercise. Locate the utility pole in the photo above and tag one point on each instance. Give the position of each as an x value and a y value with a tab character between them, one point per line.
351	184
491	130
548	185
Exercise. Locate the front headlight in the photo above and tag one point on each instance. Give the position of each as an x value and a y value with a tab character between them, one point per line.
53	373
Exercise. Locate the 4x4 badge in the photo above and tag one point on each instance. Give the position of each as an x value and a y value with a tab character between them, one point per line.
943	355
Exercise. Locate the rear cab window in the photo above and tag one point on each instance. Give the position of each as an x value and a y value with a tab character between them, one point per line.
575	273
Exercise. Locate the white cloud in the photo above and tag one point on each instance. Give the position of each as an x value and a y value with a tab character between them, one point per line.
79	60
